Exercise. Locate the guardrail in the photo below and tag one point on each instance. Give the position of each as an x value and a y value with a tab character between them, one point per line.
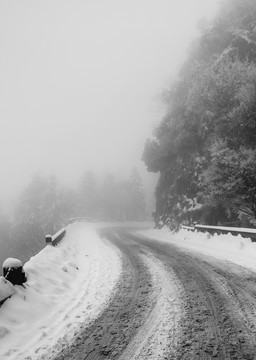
13	269
54	240
244	232
190	228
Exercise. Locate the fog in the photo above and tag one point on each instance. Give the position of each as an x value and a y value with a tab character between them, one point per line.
80	82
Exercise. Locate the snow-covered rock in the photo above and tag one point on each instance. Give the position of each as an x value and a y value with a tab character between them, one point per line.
14	272
12	263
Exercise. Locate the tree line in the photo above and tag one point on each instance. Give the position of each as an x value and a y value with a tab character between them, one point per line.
205	146
45	206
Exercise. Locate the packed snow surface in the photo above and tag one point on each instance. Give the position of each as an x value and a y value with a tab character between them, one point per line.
239	250
67	286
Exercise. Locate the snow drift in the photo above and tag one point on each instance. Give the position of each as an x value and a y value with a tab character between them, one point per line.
67	285
6	289
239	250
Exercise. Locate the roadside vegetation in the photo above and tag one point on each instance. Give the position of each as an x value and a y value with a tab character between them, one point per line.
45	206
205	146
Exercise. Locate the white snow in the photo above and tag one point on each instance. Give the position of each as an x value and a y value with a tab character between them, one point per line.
6	289
67	285
12	263
239	250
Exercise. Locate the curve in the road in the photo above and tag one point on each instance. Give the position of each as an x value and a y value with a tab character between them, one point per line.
213	325
171	304
133	306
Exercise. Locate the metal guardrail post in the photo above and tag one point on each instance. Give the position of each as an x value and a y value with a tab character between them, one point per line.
55	239
48	239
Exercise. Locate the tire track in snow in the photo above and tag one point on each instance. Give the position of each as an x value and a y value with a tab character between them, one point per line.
112	331
157	338
143	319
171	304
238	289
214	325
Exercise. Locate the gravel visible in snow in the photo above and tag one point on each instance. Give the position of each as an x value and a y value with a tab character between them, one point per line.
67	285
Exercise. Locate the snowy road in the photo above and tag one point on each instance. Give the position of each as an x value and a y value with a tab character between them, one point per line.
171	303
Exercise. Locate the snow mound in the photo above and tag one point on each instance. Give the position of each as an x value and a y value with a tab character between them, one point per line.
6	289
67	286
12	263
239	250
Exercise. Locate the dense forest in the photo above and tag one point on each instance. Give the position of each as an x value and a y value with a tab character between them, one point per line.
205	146
45	206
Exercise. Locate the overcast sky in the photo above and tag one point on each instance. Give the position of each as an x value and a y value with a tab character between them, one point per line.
78	82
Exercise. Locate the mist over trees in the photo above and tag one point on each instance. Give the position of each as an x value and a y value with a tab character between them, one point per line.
45	206
111	199
205	146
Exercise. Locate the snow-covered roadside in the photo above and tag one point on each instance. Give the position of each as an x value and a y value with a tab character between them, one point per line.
239	250
67	285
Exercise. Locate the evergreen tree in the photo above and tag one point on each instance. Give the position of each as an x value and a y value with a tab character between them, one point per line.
210	126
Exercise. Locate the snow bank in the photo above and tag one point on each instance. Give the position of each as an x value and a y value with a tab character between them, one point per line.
67	285
236	249
6	289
